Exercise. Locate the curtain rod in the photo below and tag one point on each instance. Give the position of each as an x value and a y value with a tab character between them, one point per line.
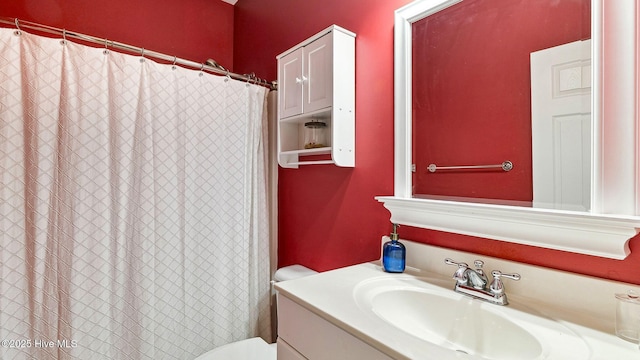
250	78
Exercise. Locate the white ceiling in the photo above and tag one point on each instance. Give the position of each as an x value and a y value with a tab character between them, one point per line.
232	2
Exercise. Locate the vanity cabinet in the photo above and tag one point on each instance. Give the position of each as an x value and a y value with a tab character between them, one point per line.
304	335
316	82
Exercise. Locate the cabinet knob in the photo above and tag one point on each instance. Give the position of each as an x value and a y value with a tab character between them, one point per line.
301	80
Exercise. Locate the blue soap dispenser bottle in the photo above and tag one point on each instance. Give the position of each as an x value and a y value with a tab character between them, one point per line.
393	253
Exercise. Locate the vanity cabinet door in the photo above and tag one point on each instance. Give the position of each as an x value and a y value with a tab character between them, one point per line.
304	333
286	352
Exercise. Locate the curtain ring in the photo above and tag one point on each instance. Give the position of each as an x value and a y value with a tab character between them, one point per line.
19	31
173	66
64	37
142	55
106	47
201	69
228	77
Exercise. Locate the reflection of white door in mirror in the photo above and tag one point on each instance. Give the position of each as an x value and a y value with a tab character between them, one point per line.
560	124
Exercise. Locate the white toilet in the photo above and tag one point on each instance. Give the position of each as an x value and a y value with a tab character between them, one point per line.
256	348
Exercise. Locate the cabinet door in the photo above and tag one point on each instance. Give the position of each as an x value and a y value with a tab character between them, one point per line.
314	337
286	352
318	70
290	86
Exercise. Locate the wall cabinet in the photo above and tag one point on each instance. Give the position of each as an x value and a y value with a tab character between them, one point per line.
316	82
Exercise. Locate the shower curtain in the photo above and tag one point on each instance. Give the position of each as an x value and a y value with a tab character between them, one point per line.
133	205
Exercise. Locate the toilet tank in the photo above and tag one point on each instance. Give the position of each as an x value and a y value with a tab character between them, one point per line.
292	272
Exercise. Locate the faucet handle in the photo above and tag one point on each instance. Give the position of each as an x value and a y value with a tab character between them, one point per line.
449	261
499	274
497	287
461	273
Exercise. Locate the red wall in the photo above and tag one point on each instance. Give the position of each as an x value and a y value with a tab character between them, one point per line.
472	102
191	29
328	217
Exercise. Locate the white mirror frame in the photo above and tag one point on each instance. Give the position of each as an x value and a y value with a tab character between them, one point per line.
615	195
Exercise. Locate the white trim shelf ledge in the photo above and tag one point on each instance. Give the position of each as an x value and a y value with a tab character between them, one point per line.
578	232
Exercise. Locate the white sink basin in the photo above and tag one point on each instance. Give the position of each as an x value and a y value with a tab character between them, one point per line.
424	309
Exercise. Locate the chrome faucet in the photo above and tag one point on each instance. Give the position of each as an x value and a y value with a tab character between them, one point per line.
473	282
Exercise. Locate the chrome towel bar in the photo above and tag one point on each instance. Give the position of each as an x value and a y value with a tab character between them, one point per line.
506	166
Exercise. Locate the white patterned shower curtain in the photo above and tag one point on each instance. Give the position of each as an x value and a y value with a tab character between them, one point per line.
133	207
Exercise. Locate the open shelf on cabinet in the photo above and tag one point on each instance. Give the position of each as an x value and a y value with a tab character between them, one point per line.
339	140
292	132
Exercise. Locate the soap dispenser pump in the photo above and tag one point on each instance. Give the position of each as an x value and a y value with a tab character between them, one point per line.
393	253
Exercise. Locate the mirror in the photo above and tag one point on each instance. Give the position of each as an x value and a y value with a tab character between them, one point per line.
614	195
476	66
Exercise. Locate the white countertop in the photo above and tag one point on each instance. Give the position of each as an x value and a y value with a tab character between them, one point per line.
331	296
